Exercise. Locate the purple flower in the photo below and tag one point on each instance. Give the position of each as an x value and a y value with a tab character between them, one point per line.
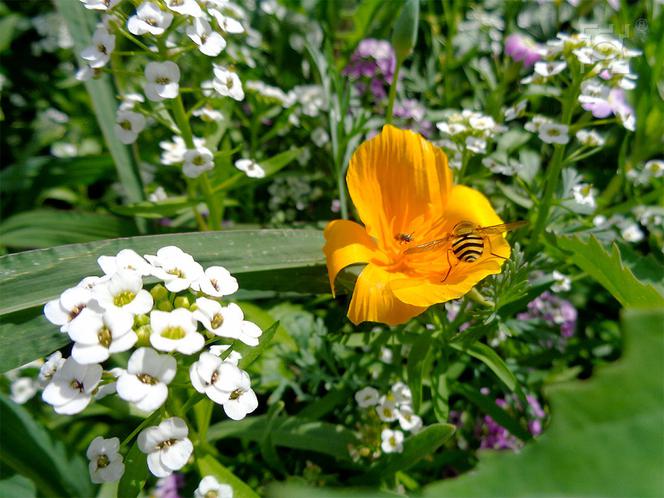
372	67
523	48
168	487
603	101
412	112
554	310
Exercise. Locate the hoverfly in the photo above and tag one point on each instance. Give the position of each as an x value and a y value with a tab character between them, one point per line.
404	237
467	241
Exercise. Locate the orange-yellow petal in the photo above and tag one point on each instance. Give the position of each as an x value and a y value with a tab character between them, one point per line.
396	178
465	204
346	243
374	301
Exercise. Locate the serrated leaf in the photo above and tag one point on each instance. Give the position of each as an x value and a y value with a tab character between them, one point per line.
605	435
30	450
610	271
208	466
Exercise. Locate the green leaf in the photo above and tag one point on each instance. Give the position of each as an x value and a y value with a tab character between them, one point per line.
291	432
48	227
31	451
162	209
491	359
489	406
295	490
7	30
416	361
609	270
270	166
415	448
208	466
136	473
17	485
264	261
80	23
605	437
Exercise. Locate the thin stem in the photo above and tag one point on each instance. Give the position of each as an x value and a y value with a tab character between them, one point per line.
139	428
180	117
393	93
215	215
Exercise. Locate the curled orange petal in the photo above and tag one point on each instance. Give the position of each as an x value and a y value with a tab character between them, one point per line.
346	243
374	301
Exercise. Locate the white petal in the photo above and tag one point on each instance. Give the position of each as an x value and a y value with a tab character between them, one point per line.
156	467
89	354
175	457
131	389
156	396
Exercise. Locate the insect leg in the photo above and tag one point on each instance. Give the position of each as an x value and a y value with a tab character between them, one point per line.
449	269
488	239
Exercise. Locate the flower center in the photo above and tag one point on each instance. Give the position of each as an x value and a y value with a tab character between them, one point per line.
174	333
229	82
393	441
198	160
75	311
162	80
102	461
214	377
211	494
125	125
123	298
214	283
76	385
217	321
177	272
176	3
166	444
147	379
102	48
151	21
236	394
104	336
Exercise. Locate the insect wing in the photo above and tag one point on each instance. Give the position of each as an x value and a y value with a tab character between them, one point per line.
427	246
502	228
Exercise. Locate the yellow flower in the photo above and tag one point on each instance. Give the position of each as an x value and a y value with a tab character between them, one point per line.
402	188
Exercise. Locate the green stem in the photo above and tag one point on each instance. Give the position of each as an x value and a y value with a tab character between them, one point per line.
554	170
139	428
180	117
213	206
393	93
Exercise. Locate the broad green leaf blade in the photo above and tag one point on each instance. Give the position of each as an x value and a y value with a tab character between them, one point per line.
415	448
32	278
605	437
264	261
208	466
49	227
416	360
18	486
136	473
491	359
609	270
291	432
293	490
80	23
31	451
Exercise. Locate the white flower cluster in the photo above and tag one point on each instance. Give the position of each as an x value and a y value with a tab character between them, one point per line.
114	313
651	170
395	406
547	130
604	62
468	132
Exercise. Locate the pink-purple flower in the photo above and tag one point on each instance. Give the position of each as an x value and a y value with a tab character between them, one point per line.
372	67
524	49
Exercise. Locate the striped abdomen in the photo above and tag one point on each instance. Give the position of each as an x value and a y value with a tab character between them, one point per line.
468	247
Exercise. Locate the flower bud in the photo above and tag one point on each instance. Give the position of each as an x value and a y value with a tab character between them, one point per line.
182	302
159	292
164	305
404	35
143	334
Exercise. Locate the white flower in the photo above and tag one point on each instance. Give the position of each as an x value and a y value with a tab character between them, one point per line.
392	441
100	4
481	122
185	7
515	111
129	101
166	446
105	461
654	168
227	83
197	161
217	282
110	387
590	138
226	321
387	410
52	364
451	128
401	393
96	336
536	123
584	194
475	144
226	23
23	389
553	133
319	137
67	307
174	151
90	283
71	387
175	331
149	18
408	420
162	80
99	53
128	125
548	69
233	358
562	283
158	195
632	233
124	292
367	397
207	113
386	355
145	381
209	42
127	260
240	398
175	267
209	487
251	168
